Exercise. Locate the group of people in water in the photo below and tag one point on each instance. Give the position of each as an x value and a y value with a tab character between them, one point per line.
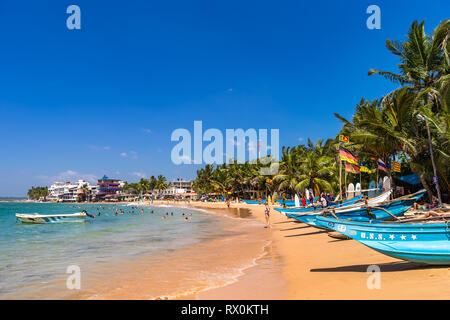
120	211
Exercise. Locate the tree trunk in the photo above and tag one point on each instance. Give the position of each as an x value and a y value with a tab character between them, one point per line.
425	185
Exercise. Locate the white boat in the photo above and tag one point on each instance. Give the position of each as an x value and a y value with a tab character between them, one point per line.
357	205
51	218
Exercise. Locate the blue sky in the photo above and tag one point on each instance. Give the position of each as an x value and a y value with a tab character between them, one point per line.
105	99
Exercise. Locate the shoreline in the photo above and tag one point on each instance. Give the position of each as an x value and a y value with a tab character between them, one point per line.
316	266
300	262
260	280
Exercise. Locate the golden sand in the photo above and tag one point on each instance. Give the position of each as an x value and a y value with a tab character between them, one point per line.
316	266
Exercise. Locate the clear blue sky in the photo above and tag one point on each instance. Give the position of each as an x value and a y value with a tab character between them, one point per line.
105	99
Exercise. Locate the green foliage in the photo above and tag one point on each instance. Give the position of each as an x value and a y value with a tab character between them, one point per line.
37	193
393	126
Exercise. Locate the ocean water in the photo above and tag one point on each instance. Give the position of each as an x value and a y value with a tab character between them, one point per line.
134	255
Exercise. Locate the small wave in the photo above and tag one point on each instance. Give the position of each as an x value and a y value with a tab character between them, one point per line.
228	278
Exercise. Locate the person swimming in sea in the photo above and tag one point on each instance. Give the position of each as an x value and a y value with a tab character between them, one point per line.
89	215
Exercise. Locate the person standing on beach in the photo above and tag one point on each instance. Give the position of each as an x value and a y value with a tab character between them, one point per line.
267	214
228	202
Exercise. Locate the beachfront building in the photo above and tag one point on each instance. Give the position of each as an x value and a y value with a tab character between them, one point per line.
57	191
109	189
176	188
181	184
72	192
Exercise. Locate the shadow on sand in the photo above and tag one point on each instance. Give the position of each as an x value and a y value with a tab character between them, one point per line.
306	234
385	267
296	228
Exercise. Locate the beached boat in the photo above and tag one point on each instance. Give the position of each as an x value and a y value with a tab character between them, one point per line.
384	211
254	201
291	203
418	240
351	204
50	218
318	208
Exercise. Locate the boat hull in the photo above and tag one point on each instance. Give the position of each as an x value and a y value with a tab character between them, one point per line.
416	242
396	208
46	219
319	208
253	201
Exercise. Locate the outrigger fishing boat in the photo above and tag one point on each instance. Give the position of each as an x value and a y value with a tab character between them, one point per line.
254	201
384	211
51	218
318	208
291	203
422	240
351	204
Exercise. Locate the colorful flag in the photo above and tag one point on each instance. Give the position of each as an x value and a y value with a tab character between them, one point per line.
396	167
364	168
343	138
373	158
351	168
348	156
382	165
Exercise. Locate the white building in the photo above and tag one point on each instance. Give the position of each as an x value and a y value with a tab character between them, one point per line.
179	186
68	192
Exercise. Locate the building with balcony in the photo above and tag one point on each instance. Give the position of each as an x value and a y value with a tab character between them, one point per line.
109	189
71	192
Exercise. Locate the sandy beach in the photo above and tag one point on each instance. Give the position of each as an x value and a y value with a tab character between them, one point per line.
312	265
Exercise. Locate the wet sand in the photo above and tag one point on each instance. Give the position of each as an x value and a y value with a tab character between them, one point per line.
239	262
316	266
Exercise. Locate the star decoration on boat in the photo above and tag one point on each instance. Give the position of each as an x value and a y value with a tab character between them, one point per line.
403	237
391	237
414	237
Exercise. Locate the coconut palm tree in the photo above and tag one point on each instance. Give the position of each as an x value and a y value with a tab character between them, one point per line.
86	192
161	183
424	58
309	166
424	67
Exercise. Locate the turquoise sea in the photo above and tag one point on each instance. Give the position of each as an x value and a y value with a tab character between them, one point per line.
34	258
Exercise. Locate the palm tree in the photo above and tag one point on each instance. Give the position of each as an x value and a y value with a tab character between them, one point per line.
425	68
424	58
86	192
307	167
161	183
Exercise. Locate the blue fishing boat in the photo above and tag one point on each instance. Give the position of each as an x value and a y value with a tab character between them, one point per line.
418	240
254	201
318	208
384	211
291	203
